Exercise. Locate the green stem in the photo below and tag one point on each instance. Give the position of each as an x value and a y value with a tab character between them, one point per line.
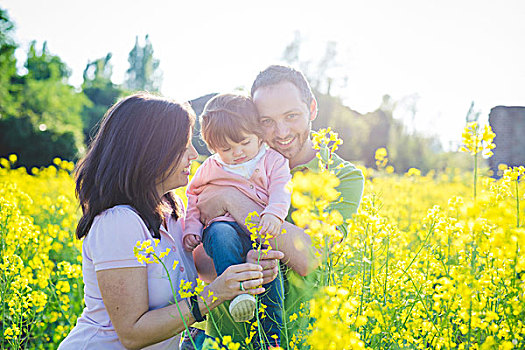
517	205
326	270
475	173
372	269
211	318
429	316
176	302
259	326
430	231
281	285
3	289
472	267
363	282
386	270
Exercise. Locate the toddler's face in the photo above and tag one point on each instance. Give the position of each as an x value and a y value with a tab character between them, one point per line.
237	153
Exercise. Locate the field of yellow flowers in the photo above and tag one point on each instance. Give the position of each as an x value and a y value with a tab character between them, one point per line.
426	262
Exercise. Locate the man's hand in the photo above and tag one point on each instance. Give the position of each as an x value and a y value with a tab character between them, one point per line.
191	242
271	224
269	262
215	202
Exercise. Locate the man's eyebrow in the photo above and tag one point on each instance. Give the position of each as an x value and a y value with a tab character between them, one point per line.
293	110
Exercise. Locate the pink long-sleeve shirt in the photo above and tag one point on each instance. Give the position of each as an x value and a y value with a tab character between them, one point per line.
266	186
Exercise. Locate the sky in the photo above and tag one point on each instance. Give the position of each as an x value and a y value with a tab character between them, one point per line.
433	57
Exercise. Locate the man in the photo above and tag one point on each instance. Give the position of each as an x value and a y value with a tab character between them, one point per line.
287	107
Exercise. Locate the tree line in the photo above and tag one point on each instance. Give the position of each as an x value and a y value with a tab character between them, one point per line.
363	134
42	116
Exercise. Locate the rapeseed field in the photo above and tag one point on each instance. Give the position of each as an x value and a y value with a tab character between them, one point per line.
429	261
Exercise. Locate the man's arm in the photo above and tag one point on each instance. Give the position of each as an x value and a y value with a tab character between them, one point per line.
295	243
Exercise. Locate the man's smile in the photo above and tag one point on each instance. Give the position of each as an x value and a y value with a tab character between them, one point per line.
286	142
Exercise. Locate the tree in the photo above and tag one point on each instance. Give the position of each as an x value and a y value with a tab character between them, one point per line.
363	134
47	98
143	73
321	73
35	147
9	78
41	65
100	90
39	111
291	52
47	121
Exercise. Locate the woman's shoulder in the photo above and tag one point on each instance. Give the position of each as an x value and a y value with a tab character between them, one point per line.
120	220
118	212
110	241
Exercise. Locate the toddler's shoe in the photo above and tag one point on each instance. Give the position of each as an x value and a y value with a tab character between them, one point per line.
242	307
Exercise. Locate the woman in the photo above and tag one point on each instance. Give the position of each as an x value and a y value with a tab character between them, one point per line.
140	154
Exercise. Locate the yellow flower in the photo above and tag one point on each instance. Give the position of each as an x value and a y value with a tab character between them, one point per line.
163	254
413	172
476	140
13	158
360	321
8	333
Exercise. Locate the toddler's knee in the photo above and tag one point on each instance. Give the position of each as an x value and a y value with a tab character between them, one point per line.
221	233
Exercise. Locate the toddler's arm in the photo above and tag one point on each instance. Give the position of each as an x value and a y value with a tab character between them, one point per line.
279	197
191	241
192	223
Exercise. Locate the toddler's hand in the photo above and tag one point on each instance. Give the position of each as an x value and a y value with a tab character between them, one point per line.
270	224
191	242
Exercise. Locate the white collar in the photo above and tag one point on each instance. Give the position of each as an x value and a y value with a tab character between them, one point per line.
245	169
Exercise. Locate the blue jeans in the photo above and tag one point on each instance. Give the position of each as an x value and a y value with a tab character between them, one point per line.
227	244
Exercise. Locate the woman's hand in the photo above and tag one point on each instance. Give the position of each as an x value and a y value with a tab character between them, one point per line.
228	285
269	262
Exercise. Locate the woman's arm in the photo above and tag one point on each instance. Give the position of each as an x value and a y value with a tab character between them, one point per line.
269	262
125	295
295	243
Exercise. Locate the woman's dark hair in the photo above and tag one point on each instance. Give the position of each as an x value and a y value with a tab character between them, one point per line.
141	140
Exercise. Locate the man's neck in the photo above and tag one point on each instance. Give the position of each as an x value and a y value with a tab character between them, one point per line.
305	155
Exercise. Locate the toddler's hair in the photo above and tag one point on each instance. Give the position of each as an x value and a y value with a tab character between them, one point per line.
228	116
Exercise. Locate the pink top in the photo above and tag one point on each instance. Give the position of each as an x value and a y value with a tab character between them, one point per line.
266	187
109	245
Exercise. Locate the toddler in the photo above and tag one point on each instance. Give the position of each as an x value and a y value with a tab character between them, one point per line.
230	127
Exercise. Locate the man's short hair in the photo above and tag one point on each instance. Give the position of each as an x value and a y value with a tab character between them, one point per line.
276	74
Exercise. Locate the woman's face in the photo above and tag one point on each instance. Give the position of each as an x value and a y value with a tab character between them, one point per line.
178	176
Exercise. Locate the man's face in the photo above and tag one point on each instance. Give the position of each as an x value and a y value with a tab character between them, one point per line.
285	119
